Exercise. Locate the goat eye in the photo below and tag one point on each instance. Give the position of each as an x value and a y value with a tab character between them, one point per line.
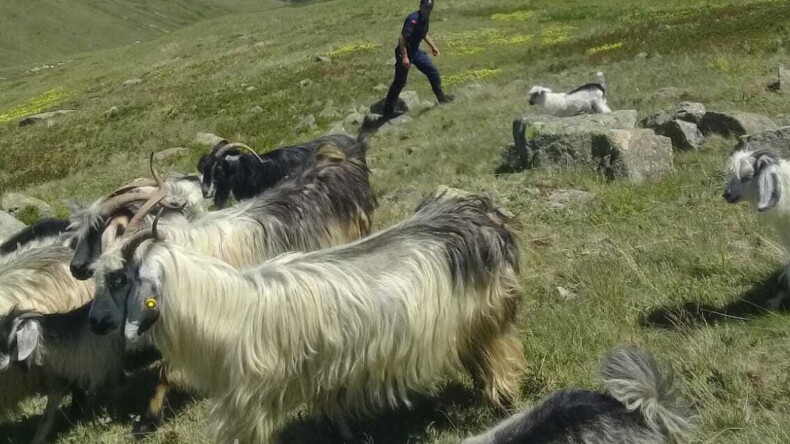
746	179
117	280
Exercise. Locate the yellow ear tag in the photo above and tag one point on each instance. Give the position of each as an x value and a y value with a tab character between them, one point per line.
150	303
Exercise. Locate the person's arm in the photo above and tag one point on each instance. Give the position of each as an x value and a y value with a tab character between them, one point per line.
434	48
403	52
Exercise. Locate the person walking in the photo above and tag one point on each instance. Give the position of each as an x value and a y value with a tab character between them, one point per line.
408	53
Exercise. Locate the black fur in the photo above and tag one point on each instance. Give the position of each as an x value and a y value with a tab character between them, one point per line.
588	87
247	177
41	229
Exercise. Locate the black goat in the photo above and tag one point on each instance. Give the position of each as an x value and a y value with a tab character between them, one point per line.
42	231
228	171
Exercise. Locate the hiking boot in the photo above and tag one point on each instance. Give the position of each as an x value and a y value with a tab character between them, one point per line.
446	98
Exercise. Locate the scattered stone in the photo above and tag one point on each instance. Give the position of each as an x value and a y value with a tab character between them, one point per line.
132	82
637	154
784	79
411	98
9	225
777	141
250	88
565	294
656	120
425	105
561	199
112	112
44	117
336	128
380	87
685	136
14	203
256	109
305	83
671	92
690	112
329	112
641	56
169	153
354	119
392	124
734	123
306	123
323	59
208	139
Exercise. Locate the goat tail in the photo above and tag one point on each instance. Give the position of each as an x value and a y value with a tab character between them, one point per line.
633	377
602	80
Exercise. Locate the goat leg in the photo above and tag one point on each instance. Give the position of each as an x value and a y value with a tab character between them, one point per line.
54	398
152	418
79	401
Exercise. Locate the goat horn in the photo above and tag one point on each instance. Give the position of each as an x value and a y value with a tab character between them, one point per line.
139	183
110	206
128	249
233	145
154	199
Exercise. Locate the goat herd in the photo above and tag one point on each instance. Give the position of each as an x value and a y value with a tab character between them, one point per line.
287	301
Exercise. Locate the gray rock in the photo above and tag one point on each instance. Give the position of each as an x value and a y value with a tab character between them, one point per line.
256	109
250	88
305	83
329	112
637	154
425	105
380	87
394	123
641	56
336	128
306	123
690	112
565	294
656	120
15	203
685	136
411	98
9	225
131	82
671	92
208	139
734	123
44	117
323	59
777	141
169	153
353	120
561	199
784	79
112	112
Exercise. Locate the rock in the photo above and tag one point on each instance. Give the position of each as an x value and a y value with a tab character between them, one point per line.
112	112
15	203
305	83
378	107
690	112
256	109
132	82
734	123
169	153
306	123
411	98
671	92
208	139
565	294
685	136
381	87
250	88
44	117
392	124
561	199
641	56
425	105
354	119
329	112
777	141
323	59
564	141
637	154
656	120
9	225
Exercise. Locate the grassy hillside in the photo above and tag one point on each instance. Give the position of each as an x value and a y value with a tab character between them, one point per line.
47	31
669	249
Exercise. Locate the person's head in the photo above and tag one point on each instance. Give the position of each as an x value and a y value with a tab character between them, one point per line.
426	6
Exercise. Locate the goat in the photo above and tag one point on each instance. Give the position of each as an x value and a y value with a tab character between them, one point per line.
586	99
760	177
107	218
229	172
640	408
43	232
345	330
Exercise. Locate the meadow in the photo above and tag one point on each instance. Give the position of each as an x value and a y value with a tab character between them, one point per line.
666	265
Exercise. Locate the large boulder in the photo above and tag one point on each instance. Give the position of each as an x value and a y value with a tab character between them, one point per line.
685	136
44	117
689	112
8	225
638	154
407	101
15	203
777	141
734	123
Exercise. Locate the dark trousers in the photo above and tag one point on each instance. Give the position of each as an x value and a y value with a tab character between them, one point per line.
420	60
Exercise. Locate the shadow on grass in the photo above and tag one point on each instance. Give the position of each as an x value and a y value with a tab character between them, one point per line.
758	301
429	413
119	407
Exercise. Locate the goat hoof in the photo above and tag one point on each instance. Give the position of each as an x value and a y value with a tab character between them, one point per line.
145	428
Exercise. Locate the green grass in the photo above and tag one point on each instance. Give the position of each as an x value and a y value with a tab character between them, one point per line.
668	250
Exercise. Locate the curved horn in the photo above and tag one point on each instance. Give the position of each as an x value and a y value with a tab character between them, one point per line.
138	183
155	199
233	145
109	207
128	249
159	182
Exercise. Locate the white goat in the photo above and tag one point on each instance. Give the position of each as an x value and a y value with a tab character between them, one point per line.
587	99
760	178
346	330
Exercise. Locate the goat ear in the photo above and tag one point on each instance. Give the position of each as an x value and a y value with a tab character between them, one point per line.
5	361
27	338
770	188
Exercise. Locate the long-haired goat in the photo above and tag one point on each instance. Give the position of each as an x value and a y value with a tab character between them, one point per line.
346	330
228	171
41	233
640	408
586	99
106	219
760	178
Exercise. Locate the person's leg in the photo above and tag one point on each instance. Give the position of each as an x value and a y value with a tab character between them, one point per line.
426	66
401	76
